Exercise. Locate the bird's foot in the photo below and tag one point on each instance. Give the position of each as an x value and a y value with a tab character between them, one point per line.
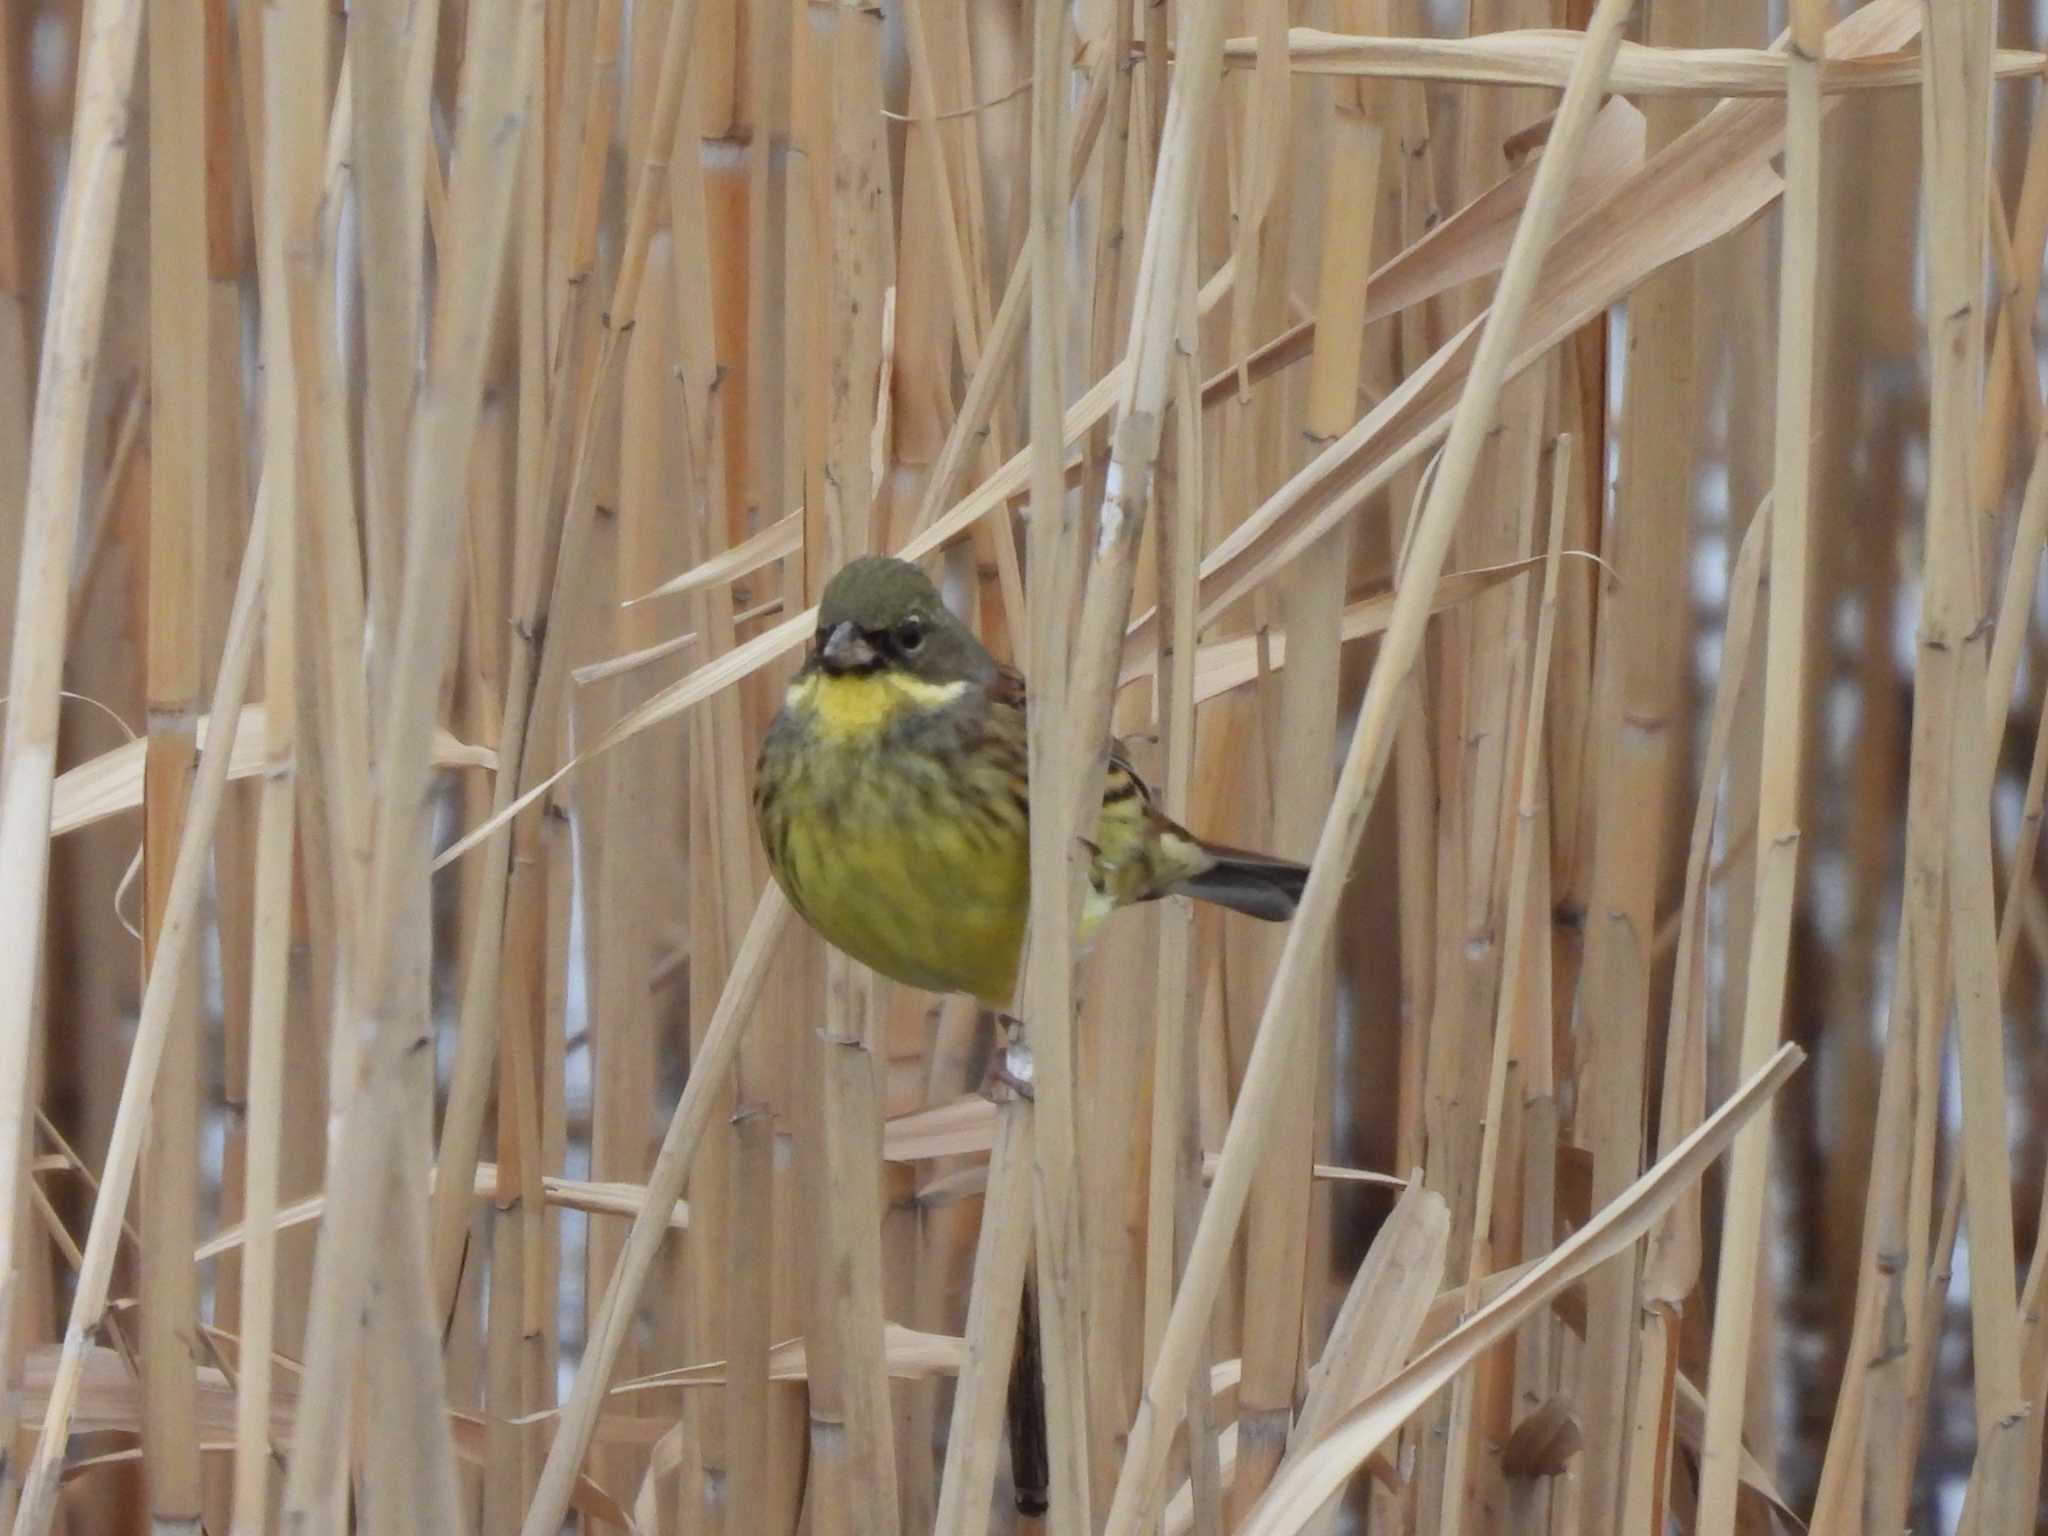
1009	1069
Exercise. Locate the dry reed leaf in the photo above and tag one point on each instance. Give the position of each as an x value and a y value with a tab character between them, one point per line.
664	1460
1381	1319
609	1198
1467	246
1299	1492
1710	181
1223	665
778	541
1544	57
1690	1425
1178	1518
111	783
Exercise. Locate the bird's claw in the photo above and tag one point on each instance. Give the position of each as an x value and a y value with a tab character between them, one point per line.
1009	1070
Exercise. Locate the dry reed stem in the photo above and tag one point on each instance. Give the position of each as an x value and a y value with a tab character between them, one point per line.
179	427
1955	125
1069	759
391	55
271	939
175	938
542	549
1057	867
380	1004
1778	832
1676	1251
1138	1487
853	1485
718	774
49	524
534	682
1002	1254
1511	1002
1178	551
1280	1232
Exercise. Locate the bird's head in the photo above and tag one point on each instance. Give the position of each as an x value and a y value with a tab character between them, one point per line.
882	615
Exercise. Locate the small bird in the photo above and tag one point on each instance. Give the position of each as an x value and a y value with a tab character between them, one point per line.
893	800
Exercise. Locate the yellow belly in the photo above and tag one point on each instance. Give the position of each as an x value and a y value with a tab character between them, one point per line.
919	868
931	900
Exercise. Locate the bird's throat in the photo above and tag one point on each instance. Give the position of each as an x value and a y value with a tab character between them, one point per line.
857	706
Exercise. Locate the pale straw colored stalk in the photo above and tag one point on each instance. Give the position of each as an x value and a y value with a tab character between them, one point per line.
179	315
49	521
1138	1487
175	940
379	1005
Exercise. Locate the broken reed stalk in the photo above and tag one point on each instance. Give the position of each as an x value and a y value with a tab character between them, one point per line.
1138	1486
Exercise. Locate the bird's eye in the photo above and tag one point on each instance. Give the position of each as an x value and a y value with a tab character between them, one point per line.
910	636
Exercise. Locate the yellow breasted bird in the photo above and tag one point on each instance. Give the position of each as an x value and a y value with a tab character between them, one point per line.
893	800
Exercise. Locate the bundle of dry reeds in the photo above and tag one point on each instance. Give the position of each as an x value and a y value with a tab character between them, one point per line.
1573	469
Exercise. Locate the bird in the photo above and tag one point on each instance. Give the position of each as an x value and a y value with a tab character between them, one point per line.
892	797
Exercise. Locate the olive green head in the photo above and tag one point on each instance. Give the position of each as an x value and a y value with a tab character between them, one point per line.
880	613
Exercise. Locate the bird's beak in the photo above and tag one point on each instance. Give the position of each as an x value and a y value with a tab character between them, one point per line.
844	650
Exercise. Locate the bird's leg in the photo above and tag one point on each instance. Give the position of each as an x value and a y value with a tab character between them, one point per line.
1009	1069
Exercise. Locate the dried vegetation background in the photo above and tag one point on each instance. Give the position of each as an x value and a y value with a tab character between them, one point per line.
1582	486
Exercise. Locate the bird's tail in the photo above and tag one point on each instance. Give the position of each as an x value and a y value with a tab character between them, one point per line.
1030	1459
1256	884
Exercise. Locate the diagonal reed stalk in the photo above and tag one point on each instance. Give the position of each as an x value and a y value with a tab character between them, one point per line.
49	523
1138	1487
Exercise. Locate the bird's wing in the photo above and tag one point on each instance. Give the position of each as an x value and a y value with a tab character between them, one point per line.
1007	688
1124	782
